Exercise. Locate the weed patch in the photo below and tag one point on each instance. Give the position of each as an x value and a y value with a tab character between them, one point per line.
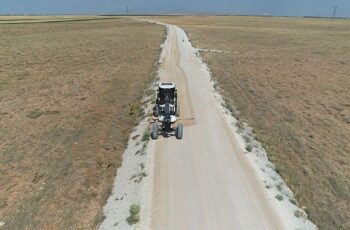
35	113
146	135
279	197
134	216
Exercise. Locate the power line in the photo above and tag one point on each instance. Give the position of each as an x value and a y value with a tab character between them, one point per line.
334	11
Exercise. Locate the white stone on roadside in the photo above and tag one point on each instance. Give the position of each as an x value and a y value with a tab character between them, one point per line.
2	224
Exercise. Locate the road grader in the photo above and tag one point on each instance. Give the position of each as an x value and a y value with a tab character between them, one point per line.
166	112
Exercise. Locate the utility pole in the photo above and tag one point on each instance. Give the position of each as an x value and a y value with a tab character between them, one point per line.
334	11
127	10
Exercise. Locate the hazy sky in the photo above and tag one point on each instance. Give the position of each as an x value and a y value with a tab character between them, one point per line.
273	7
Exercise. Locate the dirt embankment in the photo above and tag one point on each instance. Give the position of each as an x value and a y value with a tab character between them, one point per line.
70	94
289	80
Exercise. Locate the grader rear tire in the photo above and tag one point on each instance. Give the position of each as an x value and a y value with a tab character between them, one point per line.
179	131
154	133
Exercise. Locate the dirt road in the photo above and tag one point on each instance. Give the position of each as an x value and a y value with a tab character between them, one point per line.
203	181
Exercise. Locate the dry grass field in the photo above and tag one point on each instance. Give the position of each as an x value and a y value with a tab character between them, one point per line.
24	17
70	93
46	19
289	78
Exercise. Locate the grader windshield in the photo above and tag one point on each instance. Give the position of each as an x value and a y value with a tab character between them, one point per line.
166	93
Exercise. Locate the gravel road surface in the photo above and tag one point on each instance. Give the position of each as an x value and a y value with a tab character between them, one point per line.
203	181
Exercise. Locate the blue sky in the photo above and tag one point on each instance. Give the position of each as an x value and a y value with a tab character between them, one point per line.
273	7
